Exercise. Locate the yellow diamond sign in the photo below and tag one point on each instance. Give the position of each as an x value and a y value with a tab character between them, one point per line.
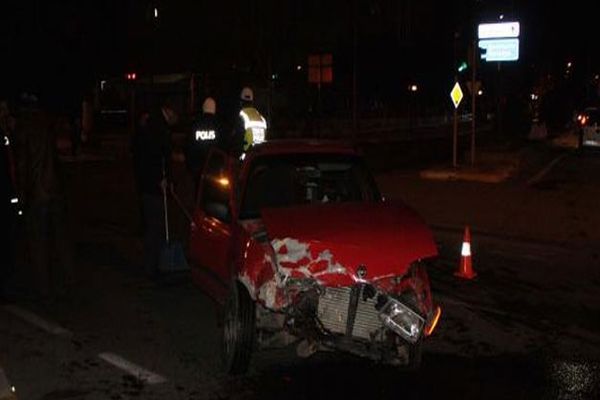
456	95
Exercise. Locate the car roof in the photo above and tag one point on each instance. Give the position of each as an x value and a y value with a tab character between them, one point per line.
303	146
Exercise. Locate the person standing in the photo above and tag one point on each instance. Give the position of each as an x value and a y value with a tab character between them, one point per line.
74	114
7	121
251	126
8	199
151	149
87	118
44	201
204	134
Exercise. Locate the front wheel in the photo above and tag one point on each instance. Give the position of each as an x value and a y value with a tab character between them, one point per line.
415	356
239	328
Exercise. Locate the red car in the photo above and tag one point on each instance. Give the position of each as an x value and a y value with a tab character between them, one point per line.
298	246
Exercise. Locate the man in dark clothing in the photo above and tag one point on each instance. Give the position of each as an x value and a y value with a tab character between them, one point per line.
203	136
8	203
151	149
44	201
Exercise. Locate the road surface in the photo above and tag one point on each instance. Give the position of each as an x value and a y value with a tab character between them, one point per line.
526	327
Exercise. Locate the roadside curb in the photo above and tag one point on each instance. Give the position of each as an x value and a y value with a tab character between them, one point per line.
85	157
458	230
495	176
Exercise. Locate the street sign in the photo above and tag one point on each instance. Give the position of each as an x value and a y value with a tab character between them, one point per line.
320	68
499	30
456	95
499	49
314	69
499	41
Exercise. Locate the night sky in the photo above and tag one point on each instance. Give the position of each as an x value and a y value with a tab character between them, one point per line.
69	44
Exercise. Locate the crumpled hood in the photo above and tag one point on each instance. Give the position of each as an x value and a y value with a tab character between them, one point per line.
335	239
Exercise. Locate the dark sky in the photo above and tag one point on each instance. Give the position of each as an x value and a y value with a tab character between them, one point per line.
48	43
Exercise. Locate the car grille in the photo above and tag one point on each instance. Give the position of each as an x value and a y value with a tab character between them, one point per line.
334	308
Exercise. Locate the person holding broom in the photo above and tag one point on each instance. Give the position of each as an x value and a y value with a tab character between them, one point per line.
151	148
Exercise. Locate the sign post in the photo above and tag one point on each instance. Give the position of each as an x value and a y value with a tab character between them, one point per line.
320	71
474	93
499	42
456	94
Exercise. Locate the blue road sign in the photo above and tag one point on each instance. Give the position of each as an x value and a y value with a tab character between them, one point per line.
499	49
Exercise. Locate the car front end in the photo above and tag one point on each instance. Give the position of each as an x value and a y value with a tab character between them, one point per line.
356	284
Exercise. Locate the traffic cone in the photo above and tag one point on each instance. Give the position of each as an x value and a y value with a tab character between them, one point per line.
465	269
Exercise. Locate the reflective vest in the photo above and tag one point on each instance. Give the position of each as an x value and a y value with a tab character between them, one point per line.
255	127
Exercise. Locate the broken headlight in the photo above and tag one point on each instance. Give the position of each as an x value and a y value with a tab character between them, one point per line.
402	320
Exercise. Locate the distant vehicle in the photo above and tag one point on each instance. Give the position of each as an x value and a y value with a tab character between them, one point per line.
589	131
298	247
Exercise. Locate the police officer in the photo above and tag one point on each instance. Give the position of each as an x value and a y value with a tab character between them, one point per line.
251	127
204	134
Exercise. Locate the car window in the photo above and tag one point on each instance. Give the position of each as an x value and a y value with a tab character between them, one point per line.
282	181
216	188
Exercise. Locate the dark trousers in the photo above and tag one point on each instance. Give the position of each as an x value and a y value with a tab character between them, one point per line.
50	250
7	245
75	133
154	230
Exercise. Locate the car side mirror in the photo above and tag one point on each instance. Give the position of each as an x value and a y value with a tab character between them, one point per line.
218	211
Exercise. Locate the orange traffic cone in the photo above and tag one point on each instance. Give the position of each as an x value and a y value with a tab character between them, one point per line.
465	269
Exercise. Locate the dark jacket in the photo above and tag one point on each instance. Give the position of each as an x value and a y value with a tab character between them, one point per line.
200	139
37	159
7	171
151	148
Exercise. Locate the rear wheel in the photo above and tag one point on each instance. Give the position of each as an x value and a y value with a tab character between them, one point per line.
239	328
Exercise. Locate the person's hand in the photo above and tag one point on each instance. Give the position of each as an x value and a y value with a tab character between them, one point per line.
163	185
170	115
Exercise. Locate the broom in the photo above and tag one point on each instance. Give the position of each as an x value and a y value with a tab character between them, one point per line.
172	256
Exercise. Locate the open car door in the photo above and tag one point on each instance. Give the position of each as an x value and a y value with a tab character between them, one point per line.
210	236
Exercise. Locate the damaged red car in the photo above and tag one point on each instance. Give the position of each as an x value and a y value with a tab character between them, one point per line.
298	247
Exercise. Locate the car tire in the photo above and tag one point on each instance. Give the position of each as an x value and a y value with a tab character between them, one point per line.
415	350
238	331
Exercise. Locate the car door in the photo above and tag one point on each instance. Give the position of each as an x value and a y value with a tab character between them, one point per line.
211	233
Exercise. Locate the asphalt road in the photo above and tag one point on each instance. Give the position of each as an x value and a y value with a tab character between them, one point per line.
526	327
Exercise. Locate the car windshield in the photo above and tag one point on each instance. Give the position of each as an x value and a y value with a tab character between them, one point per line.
288	180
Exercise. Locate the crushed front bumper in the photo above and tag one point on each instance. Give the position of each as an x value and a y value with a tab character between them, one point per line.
361	312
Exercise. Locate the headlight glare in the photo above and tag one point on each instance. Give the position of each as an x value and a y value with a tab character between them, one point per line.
402	320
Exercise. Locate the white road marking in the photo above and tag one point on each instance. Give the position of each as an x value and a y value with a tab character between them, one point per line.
142	374
38	321
537	177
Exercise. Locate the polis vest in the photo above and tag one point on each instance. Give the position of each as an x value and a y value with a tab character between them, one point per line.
255	127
